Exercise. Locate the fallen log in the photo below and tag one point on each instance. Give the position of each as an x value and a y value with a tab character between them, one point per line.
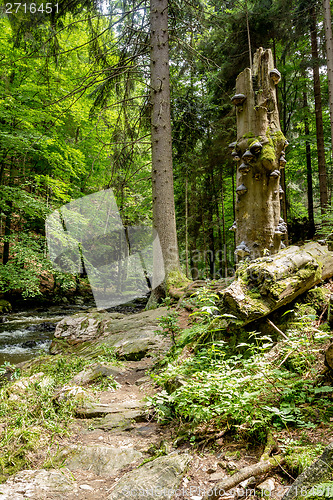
265	284
265	464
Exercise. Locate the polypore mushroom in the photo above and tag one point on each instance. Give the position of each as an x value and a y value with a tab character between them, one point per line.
242	250
233	227
247	156
241	189
232	145
255	148
282	161
243	168
282	226
275	174
235	156
275	76
281	192
238	99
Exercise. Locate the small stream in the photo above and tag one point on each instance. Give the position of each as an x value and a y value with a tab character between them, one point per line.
27	334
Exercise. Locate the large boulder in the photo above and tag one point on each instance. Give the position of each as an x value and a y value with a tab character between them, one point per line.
130	336
157	479
316	481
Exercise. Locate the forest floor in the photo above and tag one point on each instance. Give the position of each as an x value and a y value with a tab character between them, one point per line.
117	434
209	464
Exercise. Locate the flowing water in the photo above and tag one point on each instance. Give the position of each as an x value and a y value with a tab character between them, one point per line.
28	334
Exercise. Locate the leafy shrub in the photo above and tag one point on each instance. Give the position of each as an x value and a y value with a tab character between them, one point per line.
241	387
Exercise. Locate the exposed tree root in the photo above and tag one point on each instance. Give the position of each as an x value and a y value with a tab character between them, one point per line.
265	464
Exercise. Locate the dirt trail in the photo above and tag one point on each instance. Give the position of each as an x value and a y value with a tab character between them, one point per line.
147	436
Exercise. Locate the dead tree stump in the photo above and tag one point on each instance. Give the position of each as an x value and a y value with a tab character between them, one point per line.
259	153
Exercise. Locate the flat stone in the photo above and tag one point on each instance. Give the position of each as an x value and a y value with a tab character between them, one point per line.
69	392
146	430
99	410
159	478
143	380
38	484
217	476
99	459
123	421
95	371
267	486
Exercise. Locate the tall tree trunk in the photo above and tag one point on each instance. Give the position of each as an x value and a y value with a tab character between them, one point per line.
284	201
223	229
164	219
186	226
319	116
329	55
308	168
8	222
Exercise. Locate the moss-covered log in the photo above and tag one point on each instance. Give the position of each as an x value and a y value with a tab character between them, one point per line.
266	284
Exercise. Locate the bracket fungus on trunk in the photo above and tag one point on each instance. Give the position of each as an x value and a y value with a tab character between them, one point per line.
260	145
275	76
275	174
238	99
242	189
243	168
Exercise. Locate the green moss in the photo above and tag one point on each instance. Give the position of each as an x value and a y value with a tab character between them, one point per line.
298	458
277	288
5	306
176	279
84	324
318	297
268	153
277	137
254	293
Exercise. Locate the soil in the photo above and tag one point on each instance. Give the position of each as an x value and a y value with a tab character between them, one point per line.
209	465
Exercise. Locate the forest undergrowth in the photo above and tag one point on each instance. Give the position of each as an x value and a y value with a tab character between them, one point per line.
243	383
238	385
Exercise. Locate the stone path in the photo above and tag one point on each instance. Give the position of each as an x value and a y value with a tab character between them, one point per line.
116	451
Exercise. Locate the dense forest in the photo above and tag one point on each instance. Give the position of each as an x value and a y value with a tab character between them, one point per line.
117	117
75	119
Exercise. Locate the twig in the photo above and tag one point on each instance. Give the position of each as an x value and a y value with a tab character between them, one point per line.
277	329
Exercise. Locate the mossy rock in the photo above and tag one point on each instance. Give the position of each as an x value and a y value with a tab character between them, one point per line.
318	297
5	306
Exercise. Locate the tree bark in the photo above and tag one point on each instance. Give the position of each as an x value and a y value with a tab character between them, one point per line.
329	55
312	229
186	227
259	148
319	117
164	219
270	283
